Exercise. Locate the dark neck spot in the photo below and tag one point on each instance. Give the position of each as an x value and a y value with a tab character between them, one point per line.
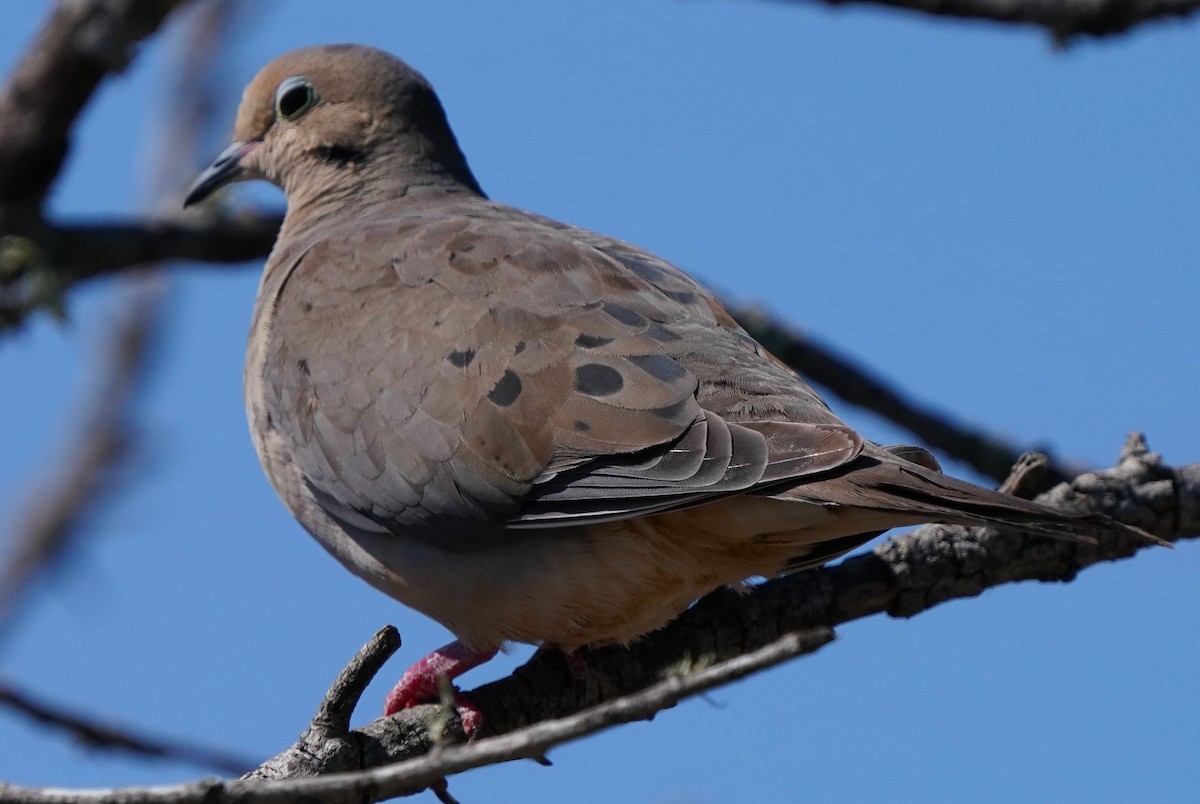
341	155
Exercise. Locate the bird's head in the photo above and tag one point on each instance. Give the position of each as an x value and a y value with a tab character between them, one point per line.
318	120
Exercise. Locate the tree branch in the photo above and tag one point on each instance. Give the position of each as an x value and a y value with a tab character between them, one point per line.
41	261
82	251
902	577
410	777
79	45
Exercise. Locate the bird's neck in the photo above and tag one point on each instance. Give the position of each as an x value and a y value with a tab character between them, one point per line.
362	198
344	184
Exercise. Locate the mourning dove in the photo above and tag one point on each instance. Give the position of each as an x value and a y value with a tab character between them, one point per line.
525	430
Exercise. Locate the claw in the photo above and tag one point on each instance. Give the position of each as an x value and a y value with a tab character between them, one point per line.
420	683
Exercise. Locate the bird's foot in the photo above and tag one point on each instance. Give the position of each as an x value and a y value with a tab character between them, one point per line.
421	683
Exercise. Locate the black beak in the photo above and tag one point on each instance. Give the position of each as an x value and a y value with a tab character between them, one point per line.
225	168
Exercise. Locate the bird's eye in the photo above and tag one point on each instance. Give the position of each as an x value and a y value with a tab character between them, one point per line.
294	97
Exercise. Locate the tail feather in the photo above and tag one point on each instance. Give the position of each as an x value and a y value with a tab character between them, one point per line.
880	482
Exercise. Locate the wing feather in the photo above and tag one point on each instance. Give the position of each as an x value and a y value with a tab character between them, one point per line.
504	371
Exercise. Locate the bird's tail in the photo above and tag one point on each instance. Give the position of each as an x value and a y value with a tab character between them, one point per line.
881	481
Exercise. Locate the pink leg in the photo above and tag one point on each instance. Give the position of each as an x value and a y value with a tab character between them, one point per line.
420	684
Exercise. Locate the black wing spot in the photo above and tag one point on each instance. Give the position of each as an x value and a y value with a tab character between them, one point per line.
592	341
519	348
507	390
582	426
648	271
670	412
661	334
303	366
595	379
681	296
624	314
660	367
461	357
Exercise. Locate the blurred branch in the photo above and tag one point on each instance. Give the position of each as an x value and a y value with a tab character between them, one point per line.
98	451
82	480
81	43
38	264
97	734
902	577
100	439
1065	19
83	251
988	455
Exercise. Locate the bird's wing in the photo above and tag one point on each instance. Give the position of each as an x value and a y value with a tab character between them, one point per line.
467	372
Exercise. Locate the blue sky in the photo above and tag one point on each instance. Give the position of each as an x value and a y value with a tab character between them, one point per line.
1001	228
